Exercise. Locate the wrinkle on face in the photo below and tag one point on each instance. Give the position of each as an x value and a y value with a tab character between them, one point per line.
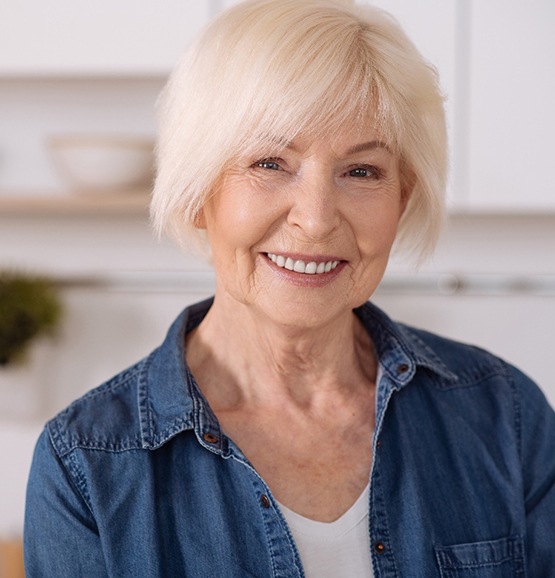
310	205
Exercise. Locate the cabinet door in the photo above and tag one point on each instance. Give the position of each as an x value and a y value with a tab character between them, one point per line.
225	4
436	29
102	37
432	26
512	106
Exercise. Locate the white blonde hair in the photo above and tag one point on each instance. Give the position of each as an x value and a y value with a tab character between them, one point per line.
273	69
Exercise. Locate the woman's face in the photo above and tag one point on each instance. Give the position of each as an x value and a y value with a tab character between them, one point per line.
303	236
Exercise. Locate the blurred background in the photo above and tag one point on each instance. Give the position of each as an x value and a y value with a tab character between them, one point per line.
78	83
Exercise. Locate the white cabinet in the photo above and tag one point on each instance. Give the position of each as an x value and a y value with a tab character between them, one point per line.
435	28
512	106
432	26
103	37
225	4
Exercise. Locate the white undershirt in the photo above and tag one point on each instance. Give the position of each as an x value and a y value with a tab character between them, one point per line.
339	549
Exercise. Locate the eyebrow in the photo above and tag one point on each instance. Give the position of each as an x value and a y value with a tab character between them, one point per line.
366	146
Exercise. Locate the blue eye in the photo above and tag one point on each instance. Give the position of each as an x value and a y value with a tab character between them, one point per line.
269	164
364	172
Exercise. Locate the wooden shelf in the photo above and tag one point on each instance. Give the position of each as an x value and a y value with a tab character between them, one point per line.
24	204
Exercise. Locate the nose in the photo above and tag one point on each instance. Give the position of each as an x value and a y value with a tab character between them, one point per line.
314	209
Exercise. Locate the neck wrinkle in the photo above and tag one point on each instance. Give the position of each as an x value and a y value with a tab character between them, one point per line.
241	361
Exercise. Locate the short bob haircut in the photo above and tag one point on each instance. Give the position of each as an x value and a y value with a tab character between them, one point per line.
268	70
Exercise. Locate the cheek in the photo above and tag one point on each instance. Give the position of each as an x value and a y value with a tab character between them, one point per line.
376	226
226	211
236	220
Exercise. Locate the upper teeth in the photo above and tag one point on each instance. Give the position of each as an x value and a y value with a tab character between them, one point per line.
300	266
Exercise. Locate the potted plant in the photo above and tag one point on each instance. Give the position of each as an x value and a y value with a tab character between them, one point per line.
29	307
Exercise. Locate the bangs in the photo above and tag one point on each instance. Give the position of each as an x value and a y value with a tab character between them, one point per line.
314	78
345	102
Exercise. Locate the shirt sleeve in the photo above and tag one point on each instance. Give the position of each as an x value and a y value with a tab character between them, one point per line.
60	534
537	427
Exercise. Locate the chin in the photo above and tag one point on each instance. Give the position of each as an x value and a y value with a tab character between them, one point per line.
303	314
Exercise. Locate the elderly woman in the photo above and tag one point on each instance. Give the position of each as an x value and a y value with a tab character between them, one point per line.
287	427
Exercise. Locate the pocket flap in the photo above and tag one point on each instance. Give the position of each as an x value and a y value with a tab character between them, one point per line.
477	554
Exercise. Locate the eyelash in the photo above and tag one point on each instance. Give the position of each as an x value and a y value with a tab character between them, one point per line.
372	172
260	164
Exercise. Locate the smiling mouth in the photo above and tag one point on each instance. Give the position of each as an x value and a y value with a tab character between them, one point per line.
300	266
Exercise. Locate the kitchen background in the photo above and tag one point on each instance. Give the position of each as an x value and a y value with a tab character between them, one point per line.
72	66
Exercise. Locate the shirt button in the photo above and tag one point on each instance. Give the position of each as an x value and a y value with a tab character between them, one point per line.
403	368
379	547
265	501
210	438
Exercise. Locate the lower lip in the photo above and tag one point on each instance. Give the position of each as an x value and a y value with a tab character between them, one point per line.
304	279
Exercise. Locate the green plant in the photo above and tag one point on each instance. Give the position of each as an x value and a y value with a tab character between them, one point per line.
29	307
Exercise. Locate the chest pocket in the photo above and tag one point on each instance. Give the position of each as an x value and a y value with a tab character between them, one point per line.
502	558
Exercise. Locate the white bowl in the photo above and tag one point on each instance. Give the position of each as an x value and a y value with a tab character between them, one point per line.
94	163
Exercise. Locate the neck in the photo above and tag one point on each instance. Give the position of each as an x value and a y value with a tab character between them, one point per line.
239	358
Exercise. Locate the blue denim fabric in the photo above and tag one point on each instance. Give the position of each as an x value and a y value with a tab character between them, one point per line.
136	479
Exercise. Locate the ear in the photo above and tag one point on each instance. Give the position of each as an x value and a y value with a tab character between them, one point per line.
199	220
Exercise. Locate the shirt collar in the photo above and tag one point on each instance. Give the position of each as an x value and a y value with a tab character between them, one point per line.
399	349
168	396
170	401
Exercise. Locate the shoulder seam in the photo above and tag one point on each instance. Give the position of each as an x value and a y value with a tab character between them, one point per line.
61	439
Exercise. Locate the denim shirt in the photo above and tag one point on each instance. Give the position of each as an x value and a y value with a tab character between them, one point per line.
137	479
